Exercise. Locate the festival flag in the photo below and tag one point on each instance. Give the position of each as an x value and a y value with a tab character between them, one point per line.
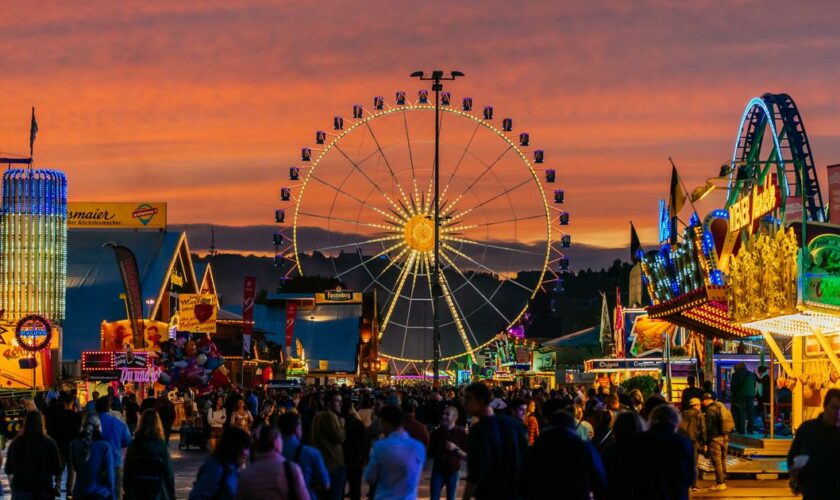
619	325
606	334
635	244
678	195
33	131
248	294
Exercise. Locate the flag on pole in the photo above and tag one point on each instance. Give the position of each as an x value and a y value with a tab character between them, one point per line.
606	335
619	325
635	244
33	131
678	195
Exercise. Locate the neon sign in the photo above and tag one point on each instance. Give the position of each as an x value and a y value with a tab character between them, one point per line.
33	333
664	223
755	205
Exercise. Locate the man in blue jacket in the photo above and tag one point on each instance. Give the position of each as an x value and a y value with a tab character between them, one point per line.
315	473
115	433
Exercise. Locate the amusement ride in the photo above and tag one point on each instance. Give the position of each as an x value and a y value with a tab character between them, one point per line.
374	200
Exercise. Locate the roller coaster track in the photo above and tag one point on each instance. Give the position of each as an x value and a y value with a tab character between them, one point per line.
791	153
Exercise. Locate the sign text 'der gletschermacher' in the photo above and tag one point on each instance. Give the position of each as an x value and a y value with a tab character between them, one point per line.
115	215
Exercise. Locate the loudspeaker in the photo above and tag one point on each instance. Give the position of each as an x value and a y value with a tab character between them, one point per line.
28	363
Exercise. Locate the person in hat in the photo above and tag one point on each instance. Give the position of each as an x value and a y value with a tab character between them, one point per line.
693	426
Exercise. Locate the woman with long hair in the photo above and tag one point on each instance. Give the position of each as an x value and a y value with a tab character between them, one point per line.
148	465
216	418
218	477
32	461
241	417
91	460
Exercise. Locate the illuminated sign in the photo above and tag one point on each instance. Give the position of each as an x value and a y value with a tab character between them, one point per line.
197	313
664	223
33	333
758	203
338	295
141	376
109	215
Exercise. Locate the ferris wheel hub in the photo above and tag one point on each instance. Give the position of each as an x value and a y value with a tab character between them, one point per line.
419	233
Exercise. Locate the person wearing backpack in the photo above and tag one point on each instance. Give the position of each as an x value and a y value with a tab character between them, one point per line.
271	476
218	477
315	473
719	423
693	426
148	465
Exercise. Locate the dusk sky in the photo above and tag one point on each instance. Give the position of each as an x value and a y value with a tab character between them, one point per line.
206	105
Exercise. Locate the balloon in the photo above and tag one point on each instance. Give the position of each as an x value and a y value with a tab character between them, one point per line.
213	363
201	359
223	370
180	364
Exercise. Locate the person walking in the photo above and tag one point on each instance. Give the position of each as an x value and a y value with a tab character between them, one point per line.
531	422
663	450
33	463
619	454
91	461
218	477
315	474
132	411
166	411
116	434
448	446
719	424
412	426
354	447
497	445
558	454
63	426
271	476
395	461
328	436
693	426
216	418
148	465
743	387
814	456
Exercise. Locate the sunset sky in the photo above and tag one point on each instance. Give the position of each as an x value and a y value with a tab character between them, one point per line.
205	105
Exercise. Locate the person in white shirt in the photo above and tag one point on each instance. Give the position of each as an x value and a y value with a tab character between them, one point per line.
216	418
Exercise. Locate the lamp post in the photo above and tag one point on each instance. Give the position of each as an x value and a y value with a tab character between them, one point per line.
149	303
436	78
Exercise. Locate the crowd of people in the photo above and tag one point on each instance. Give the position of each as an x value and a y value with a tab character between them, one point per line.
325	443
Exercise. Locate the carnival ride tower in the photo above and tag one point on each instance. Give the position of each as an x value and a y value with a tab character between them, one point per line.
33	244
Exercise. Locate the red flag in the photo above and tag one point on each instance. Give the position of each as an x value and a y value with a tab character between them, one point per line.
291	312
248	294
619	325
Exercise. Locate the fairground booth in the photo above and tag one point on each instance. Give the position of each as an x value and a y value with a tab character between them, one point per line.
759	269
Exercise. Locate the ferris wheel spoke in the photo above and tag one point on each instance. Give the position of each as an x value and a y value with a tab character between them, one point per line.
454	228
416	198
410	302
487	245
387	164
370	259
374	184
357	199
457	314
357	243
451	207
390	229
479	264
487	169
391	262
460	160
469	282
398	290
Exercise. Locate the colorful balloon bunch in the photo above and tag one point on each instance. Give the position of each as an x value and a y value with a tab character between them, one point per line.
192	363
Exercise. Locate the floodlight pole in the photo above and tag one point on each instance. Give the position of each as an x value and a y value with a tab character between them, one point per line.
436	79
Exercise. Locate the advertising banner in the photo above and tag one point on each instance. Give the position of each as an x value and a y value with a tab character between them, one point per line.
117	334
131	280
197	313
110	215
647	335
248	294
291	313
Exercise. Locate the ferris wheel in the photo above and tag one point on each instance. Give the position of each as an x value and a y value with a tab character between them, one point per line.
358	206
